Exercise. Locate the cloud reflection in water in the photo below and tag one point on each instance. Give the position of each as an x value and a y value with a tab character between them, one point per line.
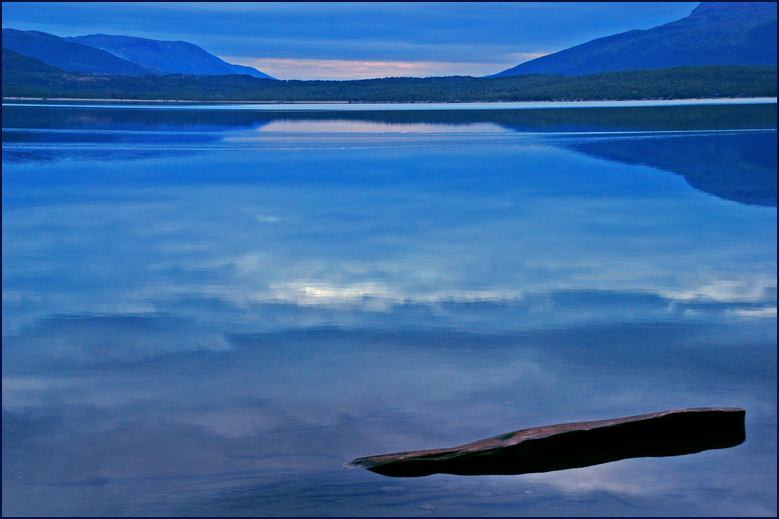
213	325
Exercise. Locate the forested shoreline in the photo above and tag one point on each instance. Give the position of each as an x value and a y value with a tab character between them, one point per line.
24	78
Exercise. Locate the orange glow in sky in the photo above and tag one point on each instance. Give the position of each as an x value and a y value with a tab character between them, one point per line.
359	69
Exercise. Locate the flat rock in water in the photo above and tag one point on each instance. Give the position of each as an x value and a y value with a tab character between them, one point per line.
573	445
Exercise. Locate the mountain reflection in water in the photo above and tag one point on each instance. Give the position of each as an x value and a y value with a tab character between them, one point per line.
739	167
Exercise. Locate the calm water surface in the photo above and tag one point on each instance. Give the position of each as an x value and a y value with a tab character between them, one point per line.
209	311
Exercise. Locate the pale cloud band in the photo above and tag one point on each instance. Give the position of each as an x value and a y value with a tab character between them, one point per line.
340	69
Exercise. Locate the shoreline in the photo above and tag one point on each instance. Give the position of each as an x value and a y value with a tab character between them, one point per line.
11	101
168	100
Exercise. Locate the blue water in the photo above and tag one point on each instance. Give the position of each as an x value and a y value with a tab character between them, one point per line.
207	312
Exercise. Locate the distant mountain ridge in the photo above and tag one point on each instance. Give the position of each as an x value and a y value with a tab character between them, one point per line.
172	57
26	77
66	55
715	33
120	55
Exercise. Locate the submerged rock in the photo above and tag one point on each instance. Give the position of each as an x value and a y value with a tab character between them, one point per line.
573	445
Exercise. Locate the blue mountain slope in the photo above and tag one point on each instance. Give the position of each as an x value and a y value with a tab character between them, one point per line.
66	55
715	33
167	57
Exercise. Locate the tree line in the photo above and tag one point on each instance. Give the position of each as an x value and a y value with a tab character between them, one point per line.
20	79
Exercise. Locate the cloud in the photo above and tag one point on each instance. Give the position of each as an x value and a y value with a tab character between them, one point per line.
306	69
481	34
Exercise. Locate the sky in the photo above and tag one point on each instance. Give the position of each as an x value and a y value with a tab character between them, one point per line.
355	40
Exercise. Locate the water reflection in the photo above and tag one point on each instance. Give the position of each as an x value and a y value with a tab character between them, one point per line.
340	126
335	236
739	167
183	118
260	425
209	311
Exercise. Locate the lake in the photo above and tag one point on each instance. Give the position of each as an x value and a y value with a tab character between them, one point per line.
209	309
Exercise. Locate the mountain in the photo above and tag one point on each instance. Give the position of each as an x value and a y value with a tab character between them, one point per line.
165	57
66	55
728	81
715	33
13	63
120	55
